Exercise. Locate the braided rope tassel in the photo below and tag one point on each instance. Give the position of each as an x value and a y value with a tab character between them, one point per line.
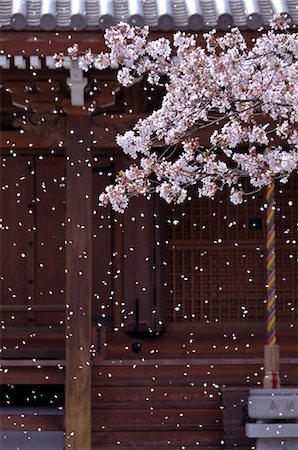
270	265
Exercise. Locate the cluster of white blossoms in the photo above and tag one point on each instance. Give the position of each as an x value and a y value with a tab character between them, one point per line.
245	95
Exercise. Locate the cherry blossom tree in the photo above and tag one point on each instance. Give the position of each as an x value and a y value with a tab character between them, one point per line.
246	94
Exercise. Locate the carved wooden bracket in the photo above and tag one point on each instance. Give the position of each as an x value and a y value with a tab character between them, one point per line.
51	96
50	127
40	97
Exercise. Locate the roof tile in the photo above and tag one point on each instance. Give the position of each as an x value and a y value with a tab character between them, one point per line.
158	14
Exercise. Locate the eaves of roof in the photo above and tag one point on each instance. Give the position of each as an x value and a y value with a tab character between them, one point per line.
166	15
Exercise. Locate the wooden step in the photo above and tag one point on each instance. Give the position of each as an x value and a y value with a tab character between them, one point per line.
173	404
33	342
212	344
156	438
149	428
31	418
132	410
32	371
29	352
110	419
187	374
155	395
32	332
30	422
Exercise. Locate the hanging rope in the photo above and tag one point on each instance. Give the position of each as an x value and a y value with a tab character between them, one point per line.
270	264
272	379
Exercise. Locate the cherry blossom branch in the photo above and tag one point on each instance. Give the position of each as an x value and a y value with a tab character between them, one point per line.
225	87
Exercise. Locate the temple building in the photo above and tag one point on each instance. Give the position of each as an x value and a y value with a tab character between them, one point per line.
137	331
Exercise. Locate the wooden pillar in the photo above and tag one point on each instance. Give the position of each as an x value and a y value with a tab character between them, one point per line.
78	284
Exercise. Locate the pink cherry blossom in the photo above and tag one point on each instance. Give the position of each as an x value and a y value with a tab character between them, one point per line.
245	95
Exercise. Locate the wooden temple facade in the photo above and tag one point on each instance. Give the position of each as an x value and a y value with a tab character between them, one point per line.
150	325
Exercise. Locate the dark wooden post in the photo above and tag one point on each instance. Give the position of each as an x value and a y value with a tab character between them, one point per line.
78	284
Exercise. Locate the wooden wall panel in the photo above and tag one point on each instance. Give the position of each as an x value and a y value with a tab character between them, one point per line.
17	247
50	237
102	245
142	264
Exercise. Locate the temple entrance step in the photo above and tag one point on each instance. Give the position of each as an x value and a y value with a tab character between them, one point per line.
157	409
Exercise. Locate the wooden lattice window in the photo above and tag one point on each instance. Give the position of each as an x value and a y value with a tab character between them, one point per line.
215	257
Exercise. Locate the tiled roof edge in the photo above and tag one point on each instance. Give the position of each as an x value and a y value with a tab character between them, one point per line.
165	15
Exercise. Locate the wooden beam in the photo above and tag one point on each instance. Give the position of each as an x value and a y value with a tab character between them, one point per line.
78	285
47	43
31	422
31	140
19	363
104	131
26	43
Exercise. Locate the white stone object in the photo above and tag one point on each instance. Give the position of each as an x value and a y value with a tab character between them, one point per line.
272	430
276	411
45	440
277	444
273	406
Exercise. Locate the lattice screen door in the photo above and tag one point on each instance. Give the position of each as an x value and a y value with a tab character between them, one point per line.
215	264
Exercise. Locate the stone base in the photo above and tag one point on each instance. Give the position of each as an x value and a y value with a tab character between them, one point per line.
272	430
32	440
277	444
273	404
